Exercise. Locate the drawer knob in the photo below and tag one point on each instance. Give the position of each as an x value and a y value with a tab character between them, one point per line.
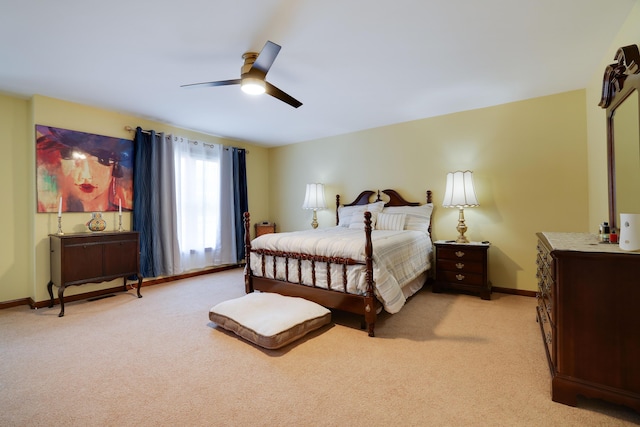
459	254
460	276
459	266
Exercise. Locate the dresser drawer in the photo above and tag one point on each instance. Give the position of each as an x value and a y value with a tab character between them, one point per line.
462	253
463	266
461	278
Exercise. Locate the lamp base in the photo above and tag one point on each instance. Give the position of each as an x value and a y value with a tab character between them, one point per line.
462	228
314	223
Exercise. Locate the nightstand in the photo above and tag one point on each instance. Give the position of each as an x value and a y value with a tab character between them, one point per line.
462	266
265	228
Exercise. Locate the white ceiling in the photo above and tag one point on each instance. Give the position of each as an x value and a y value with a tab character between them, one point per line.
355	64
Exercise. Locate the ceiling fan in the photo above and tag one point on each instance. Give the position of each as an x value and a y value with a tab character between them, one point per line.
253	74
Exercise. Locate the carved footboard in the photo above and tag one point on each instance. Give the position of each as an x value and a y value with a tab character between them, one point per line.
334	296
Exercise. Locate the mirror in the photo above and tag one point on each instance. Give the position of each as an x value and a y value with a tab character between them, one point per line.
620	88
626	155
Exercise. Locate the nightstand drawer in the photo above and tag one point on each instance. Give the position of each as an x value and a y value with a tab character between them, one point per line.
461	278
462	266
462	253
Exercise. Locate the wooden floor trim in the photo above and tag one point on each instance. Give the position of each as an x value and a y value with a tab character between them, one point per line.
520	292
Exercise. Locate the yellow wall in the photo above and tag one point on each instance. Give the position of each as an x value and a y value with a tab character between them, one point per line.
17	200
24	265
530	169
596	123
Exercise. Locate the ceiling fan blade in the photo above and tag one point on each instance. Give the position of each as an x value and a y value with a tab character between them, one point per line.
265	58
218	83
277	93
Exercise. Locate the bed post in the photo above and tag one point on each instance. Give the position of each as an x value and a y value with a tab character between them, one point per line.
337	208
370	306
248	286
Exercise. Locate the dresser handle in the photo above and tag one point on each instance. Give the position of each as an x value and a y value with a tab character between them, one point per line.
459	266
459	276
459	254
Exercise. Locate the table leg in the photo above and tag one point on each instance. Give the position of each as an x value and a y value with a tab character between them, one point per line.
49	288
61	298
139	284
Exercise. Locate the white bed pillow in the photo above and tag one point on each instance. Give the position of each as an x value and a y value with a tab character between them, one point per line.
357	219
345	214
418	217
358	224
349	214
391	221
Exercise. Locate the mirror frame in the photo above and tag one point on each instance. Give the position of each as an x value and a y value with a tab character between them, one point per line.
620	80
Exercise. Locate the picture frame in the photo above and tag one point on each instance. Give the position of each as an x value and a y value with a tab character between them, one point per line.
82	172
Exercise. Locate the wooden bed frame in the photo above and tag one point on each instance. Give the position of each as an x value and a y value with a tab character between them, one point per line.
366	305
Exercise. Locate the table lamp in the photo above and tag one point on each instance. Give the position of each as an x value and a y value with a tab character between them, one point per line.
460	193
314	199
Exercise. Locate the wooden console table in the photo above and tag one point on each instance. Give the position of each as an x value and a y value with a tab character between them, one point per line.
80	258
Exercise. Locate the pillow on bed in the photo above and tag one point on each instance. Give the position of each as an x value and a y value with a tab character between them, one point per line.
418	217
349	214
358	224
346	212
357	219
391	221
269	320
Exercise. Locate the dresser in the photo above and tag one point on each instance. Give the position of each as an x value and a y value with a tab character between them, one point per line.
462	266
80	258
588	310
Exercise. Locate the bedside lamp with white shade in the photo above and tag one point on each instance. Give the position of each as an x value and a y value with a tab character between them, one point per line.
314	199
460	193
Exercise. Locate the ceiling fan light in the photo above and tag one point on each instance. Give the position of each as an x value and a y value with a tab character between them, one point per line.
252	86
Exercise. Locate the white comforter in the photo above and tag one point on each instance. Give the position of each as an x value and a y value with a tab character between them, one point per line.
398	258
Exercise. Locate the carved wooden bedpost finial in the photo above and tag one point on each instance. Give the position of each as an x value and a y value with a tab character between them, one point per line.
369	315
247	253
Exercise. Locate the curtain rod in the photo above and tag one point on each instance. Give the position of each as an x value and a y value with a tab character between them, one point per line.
130	129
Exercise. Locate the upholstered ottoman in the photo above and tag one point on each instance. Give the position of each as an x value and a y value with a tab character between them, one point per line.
269	320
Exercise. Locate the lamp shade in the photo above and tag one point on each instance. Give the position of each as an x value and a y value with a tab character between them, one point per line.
459	191
314	197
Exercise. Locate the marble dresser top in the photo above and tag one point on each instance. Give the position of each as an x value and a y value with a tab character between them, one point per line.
583	242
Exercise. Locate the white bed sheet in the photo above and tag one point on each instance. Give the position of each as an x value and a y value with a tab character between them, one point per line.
399	257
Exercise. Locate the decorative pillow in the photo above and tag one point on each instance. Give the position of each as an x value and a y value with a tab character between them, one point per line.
418	217
391	221
345	213
349	214
269	320
357	219
358	224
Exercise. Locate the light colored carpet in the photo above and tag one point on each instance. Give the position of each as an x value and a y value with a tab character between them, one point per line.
445	359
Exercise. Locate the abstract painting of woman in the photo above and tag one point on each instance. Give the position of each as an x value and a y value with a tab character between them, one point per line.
90	173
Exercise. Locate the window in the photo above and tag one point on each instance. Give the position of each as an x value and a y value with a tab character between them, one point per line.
198	195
